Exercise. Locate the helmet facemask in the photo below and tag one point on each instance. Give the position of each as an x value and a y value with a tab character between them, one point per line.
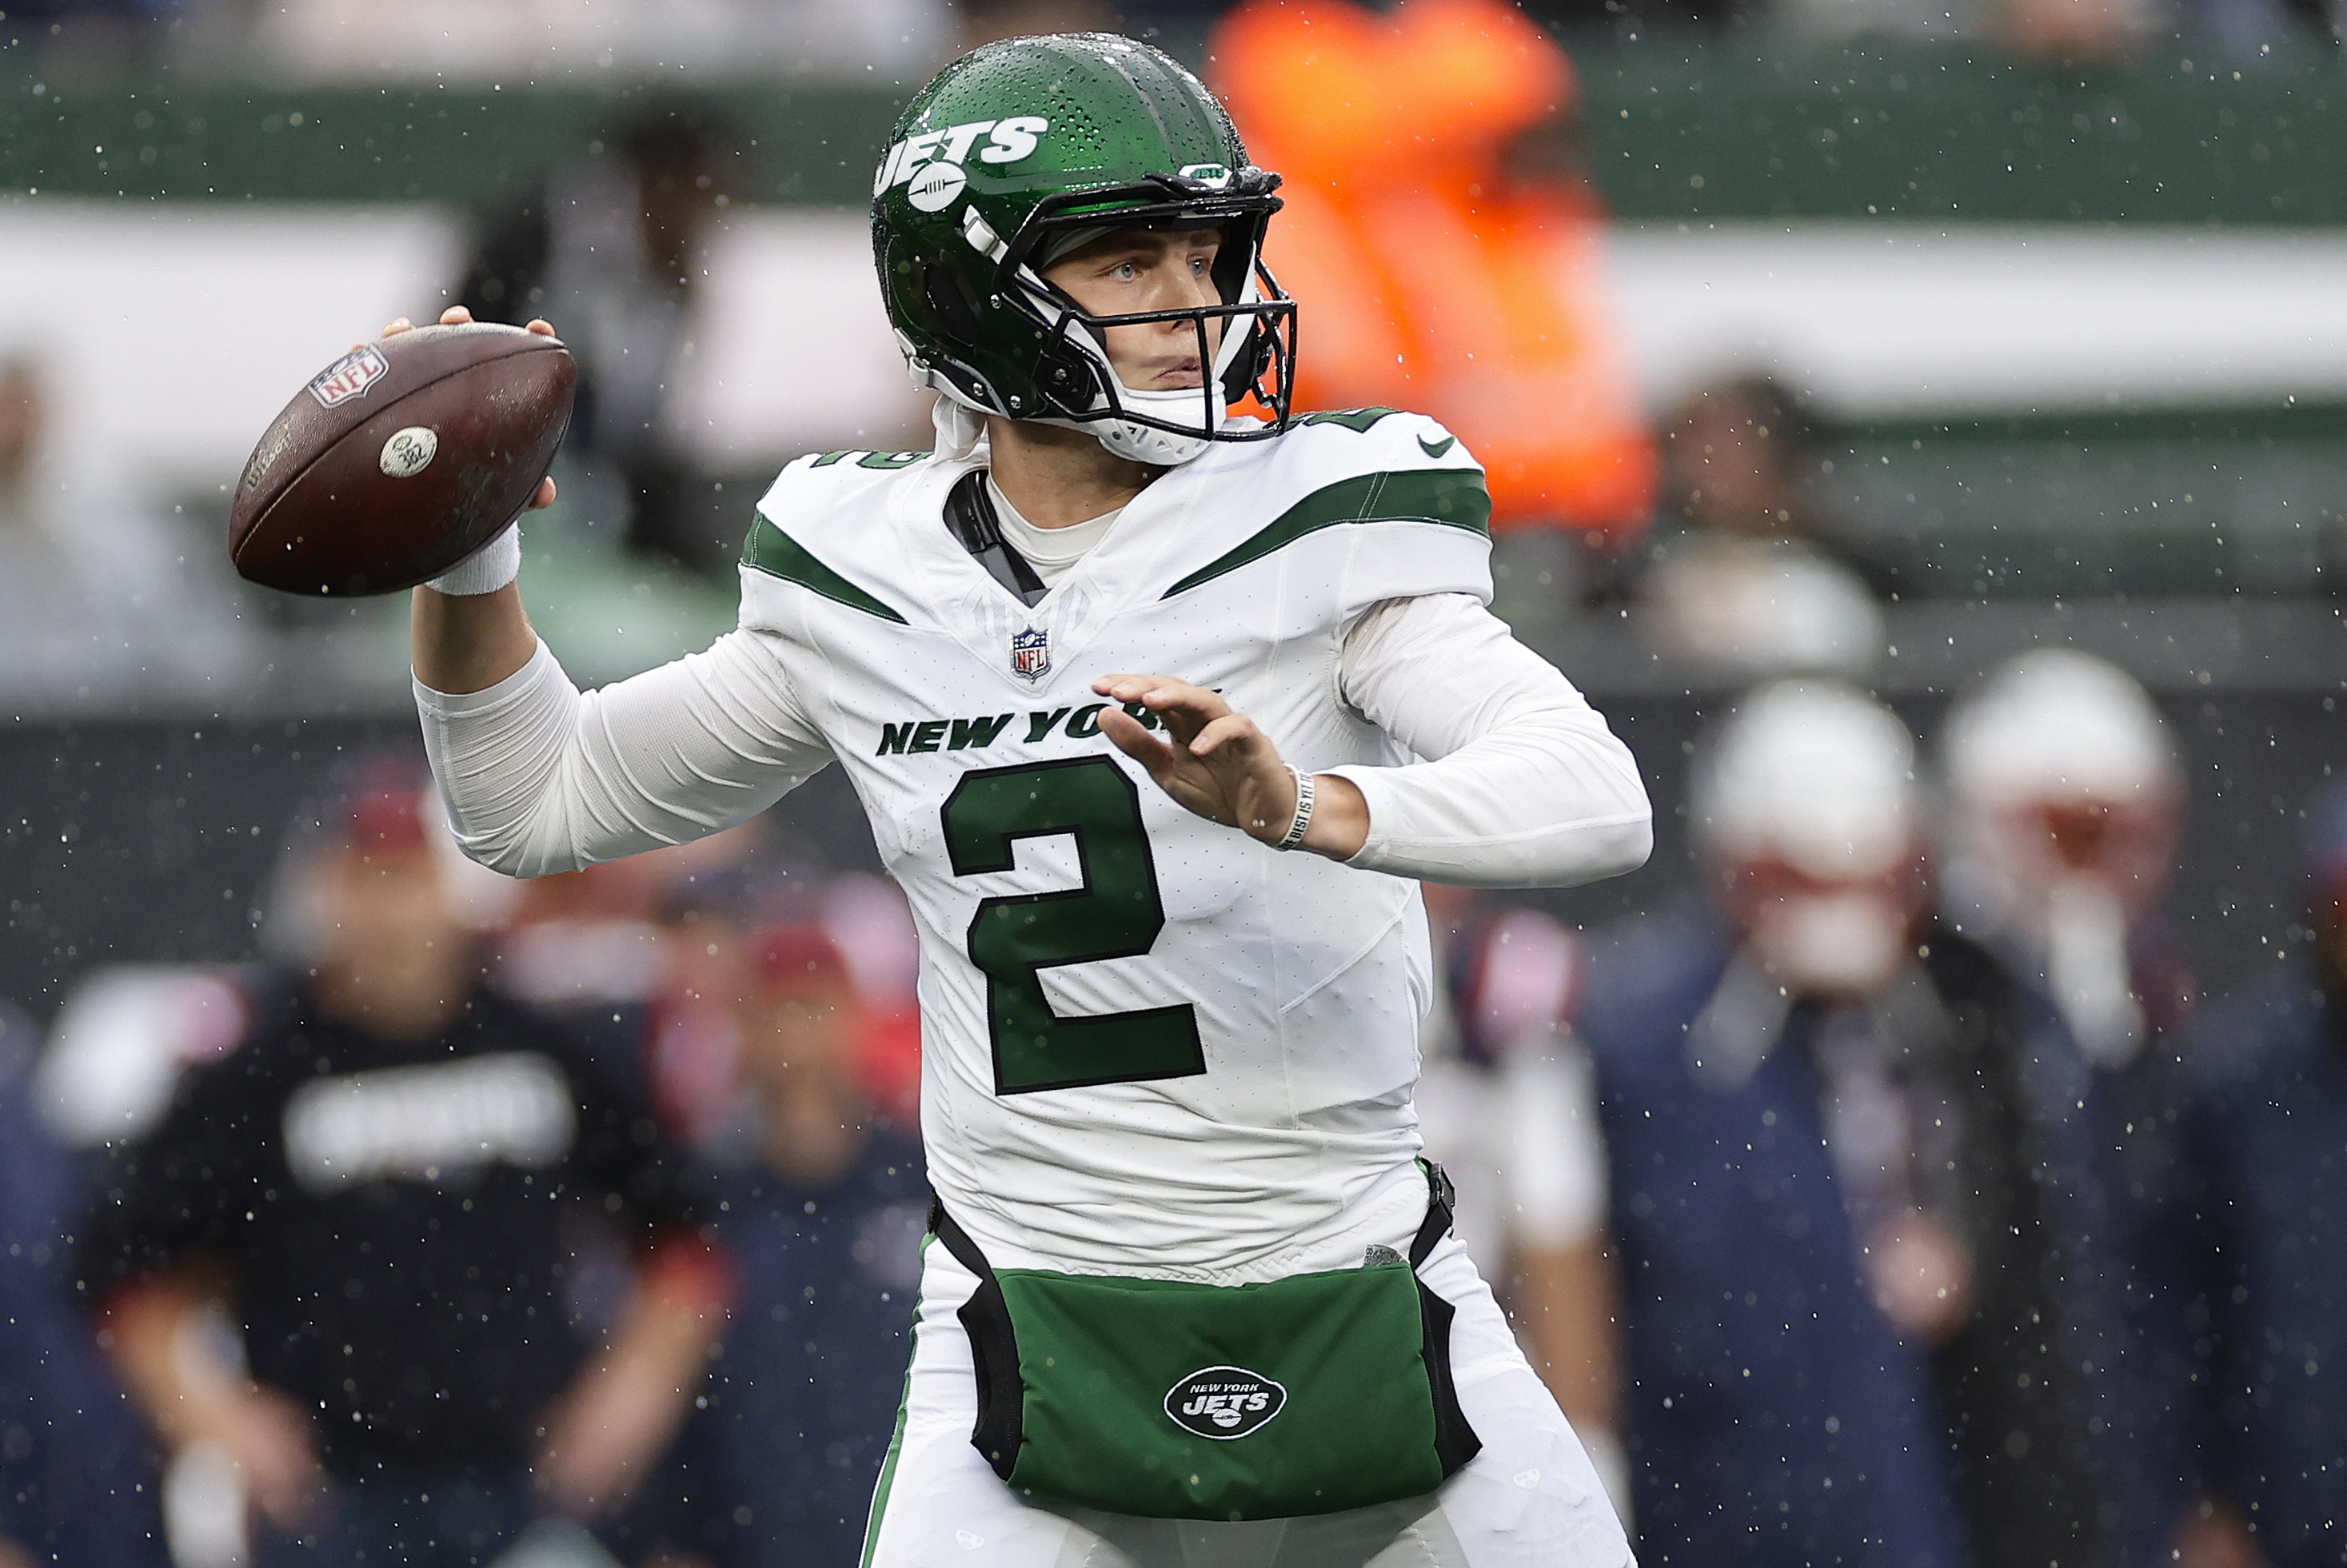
1075	379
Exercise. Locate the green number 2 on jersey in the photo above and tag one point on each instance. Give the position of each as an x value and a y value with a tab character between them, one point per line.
1115	914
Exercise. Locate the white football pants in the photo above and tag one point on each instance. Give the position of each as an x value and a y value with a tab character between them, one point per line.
1529	1499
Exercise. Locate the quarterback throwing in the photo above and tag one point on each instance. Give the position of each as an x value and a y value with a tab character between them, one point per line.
1160	697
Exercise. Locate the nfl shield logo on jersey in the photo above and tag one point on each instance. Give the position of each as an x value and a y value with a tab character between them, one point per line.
1030	653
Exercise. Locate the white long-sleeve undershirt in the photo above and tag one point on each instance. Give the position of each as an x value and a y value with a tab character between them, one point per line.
1524	785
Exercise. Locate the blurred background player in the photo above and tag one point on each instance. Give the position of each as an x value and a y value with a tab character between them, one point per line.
2069	807
1440	224
712	900
1837	1317
76	1482
348	1257
2069	804
611	246
2262	1125
824	1202
1742	575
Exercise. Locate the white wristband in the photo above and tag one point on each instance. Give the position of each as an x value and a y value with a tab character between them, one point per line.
486	570
1303	818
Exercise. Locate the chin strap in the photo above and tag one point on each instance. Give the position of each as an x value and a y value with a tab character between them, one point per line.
959	428
1138	443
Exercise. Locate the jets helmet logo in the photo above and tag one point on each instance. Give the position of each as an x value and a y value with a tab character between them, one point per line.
1030	653
930	165
1225	1402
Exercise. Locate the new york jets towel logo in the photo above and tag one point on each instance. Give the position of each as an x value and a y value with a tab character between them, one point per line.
1225	1402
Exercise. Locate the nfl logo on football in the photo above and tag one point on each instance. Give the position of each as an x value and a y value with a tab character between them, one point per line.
348	377
1030	653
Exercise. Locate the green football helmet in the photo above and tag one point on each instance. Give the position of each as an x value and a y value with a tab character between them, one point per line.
1024	146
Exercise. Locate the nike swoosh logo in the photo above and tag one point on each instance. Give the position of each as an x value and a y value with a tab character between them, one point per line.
1437	448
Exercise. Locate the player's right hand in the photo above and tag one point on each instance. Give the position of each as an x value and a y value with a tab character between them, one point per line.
1219	765
458	316
1216	762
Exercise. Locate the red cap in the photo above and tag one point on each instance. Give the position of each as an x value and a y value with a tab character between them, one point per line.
384	809
798	960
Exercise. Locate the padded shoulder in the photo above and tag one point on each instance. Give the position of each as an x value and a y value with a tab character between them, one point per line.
812	502
812	489
1365	466
1339	442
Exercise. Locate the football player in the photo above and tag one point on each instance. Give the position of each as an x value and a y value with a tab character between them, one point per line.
1160	697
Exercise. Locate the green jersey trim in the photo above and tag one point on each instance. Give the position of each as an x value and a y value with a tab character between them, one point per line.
775	553
1357	420
1454	497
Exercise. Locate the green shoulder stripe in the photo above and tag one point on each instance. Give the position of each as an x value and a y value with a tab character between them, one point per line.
1454	497
1357	420
777	554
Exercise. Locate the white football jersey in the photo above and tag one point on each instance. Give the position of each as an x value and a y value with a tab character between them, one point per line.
1152	1045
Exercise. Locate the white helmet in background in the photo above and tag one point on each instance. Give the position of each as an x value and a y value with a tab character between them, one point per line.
2058	724
1804	803
2068	802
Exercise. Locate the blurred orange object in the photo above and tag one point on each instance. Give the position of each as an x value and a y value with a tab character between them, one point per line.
1436	273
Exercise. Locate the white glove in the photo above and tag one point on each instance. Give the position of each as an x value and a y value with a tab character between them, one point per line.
486	570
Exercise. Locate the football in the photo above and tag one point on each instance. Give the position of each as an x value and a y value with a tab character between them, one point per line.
400	459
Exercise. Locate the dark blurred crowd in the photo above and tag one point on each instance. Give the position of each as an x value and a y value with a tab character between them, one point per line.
480	1214
1947	1229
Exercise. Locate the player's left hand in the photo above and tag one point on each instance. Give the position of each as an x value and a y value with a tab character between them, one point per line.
1218	764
